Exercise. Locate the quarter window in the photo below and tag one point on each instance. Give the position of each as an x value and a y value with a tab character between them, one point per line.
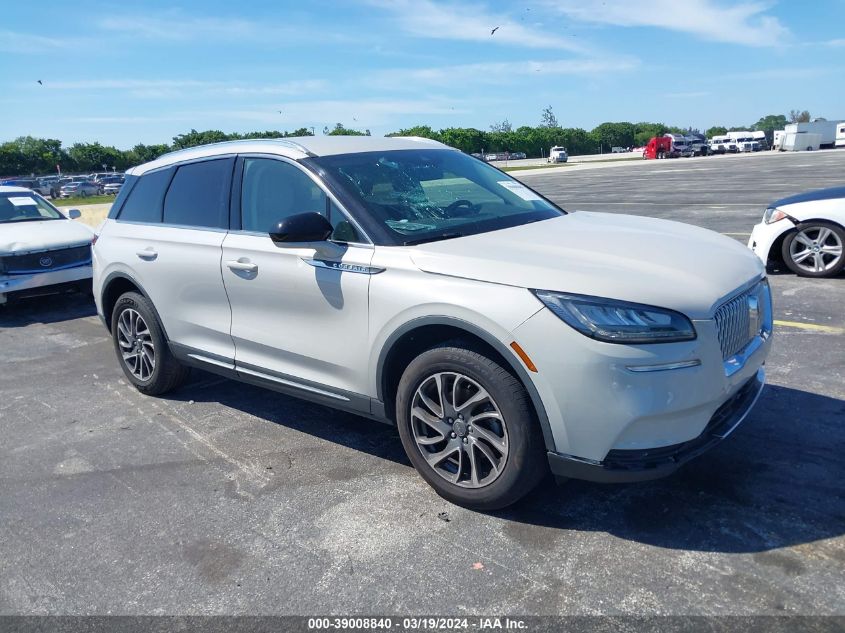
145	198
199	195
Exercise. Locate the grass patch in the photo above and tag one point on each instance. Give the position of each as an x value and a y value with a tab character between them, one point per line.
78	202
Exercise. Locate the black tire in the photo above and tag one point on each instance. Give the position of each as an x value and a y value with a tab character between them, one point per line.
787	248
525	464
168	373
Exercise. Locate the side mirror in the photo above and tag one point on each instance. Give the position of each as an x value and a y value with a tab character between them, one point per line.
74	214
302	227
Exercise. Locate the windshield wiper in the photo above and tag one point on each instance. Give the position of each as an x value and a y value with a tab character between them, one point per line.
432	238
29	220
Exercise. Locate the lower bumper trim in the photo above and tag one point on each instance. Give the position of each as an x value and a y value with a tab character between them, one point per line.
621	466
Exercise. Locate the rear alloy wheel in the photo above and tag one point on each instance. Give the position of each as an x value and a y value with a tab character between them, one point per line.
468	428
141	347
815	249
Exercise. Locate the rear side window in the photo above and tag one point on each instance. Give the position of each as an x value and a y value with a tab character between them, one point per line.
145	198
199	195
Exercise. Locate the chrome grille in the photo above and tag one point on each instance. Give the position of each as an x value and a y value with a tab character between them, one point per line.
733	323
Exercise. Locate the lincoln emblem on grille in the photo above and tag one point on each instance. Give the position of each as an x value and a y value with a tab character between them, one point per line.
753	315
46	262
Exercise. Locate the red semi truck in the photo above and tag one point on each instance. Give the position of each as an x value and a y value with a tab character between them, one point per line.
659	147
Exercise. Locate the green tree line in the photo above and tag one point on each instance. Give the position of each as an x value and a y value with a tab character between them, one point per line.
27	155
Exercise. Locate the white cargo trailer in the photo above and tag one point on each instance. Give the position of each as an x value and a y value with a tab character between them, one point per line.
825	129
799	141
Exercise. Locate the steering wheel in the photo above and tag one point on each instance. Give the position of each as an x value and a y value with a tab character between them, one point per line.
460	203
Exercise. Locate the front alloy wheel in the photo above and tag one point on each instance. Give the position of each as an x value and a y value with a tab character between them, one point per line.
815	250
459	430
468	426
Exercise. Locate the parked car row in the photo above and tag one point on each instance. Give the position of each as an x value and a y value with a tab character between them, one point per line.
70	186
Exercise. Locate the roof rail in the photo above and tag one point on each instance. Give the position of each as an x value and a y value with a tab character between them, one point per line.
280	141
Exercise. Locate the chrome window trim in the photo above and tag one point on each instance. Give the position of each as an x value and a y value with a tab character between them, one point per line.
366	245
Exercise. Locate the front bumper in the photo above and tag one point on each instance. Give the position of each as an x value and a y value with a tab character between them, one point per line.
643	465
764	236
603	400
37	282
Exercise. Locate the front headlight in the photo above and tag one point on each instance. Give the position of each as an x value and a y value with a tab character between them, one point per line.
772	215
618	321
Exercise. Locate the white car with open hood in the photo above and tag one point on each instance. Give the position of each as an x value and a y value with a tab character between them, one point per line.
403	280
42	251
806	232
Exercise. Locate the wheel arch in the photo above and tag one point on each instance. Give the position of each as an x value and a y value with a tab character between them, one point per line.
115	285
421	334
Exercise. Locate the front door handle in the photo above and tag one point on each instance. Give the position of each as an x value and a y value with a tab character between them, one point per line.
242	265
148	254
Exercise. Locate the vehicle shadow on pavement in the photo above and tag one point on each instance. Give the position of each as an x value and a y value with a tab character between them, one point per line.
776	482
47	309
332	425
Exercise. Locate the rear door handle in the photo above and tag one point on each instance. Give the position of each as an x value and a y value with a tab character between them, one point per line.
148	253
242	266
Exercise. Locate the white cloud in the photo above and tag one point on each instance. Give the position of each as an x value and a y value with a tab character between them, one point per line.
835	43
369	113
740	23
500	72
687	95
178	26
28	43
469	22
170	88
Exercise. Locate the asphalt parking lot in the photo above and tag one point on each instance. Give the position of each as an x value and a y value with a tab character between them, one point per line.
226	499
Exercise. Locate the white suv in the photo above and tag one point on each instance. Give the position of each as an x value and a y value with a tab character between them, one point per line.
403	280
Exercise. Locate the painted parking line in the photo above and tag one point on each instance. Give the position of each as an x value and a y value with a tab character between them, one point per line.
813	327
737	234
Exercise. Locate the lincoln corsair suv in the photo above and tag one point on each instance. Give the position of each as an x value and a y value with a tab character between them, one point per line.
403	280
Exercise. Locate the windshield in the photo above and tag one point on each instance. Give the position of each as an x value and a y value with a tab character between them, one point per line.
426	195
23	207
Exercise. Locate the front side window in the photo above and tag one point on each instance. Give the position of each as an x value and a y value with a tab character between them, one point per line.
25	207
199	195
273	190
427	195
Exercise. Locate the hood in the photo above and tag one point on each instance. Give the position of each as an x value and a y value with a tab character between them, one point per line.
26	237
811	196
631	258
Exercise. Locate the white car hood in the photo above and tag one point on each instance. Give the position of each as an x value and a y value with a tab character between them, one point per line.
643	260
27	237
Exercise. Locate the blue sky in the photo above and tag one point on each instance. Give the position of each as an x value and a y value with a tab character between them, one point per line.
122	73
